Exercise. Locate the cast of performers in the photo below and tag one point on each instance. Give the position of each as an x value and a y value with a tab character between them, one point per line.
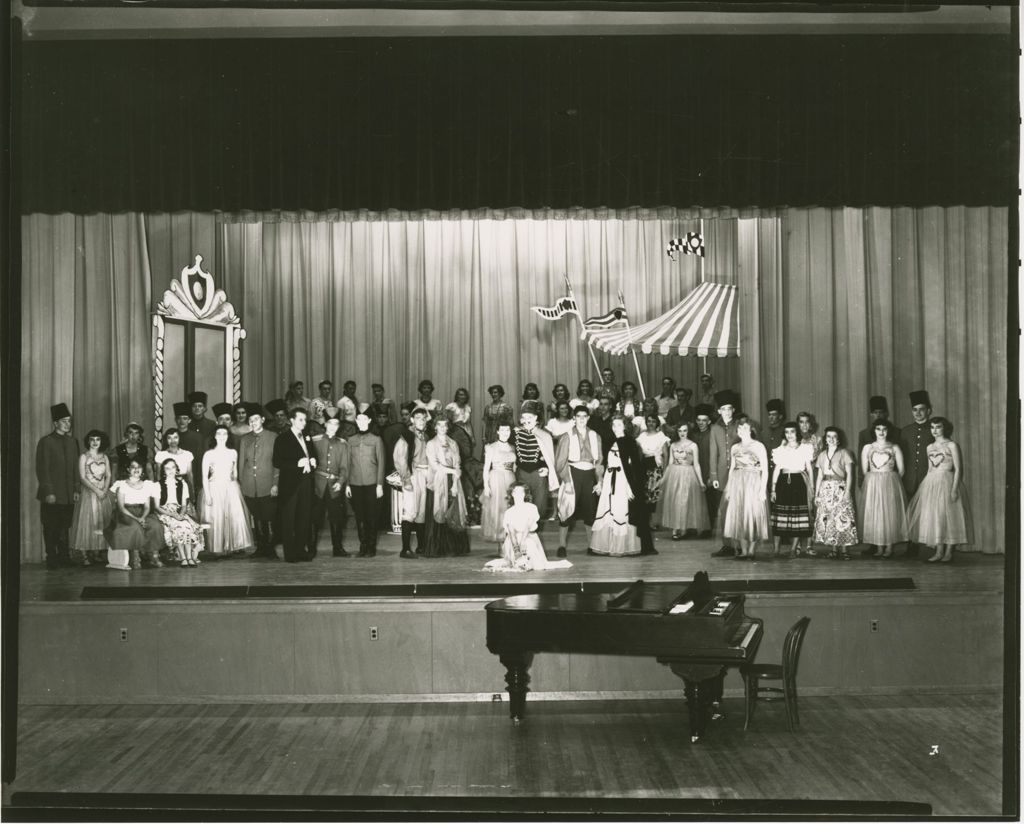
744	510
330	478
835	522
499	475
182	533
579	465
94	506
365	490
295	462
57	474
792	482
521	549
684	508
938	514
411	465
883	510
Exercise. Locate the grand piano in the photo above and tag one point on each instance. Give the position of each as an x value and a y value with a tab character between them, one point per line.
697	633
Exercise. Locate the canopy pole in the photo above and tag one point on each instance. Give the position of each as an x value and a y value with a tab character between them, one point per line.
632	351
583	334
703	360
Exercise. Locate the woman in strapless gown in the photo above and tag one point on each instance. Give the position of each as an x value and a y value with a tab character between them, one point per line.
221	504
938	514
94	507
883	509
684	506
499	475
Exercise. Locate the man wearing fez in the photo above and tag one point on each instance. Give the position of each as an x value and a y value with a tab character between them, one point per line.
258	478
294	458
915	438
57	473
535	456
278	411
329	484
198	438
411	466
723	437
366	481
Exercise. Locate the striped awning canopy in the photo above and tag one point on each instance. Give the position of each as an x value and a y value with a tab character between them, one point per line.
705	324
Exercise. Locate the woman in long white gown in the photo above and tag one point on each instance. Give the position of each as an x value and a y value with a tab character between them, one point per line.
522	550
221	504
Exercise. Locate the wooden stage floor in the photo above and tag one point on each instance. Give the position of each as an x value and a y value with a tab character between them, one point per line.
676	561
942	750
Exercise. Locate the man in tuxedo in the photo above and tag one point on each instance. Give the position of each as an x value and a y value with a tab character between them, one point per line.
329	483
723	437
293	457
57	473
258	478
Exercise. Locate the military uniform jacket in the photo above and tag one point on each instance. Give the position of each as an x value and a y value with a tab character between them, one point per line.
915	440
722	439
256	470
332	465
57	467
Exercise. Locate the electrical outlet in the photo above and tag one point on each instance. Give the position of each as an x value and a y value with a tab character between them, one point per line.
496	698
374	634
874	625
124	633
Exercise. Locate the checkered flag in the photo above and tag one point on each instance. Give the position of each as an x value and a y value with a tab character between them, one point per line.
692	244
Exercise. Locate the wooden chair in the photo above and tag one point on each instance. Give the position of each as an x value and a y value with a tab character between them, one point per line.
785	672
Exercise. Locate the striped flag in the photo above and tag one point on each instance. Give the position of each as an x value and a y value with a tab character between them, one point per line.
564	306
608	319
692	244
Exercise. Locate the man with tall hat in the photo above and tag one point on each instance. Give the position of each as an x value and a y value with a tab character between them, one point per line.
723	437
535	456
223	415
258	478
294	458
182	418
198	439
366	480
329	483
57	472
915	438
277	423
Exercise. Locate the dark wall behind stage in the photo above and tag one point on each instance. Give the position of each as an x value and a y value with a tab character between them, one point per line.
414	123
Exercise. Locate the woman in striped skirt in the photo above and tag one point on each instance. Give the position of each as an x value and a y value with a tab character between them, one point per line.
792	480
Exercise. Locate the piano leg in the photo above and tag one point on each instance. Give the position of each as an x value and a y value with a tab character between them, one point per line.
517	677
703	687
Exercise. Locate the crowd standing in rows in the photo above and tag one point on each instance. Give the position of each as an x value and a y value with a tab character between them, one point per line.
253	477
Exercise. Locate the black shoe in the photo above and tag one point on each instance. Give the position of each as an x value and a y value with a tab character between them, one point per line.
724	552
591	551
649	552
310	554
362	554
341	553
677	535
407	553
561	552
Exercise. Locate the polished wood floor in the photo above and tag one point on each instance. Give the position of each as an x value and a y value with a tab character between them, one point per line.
942	750
677	560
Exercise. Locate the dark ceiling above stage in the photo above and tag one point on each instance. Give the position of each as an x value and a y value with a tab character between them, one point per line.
466	122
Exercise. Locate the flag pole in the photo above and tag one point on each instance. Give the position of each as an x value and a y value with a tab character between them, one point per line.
632	351
583	332
703	360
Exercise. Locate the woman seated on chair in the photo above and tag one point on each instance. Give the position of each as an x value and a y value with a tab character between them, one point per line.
183	535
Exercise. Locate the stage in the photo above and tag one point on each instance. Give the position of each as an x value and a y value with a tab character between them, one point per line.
387	628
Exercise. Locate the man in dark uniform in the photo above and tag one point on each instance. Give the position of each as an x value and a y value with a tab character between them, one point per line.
701	435
329	483
198	439
915	438
772	435
258	478
278	411
366	481
57	472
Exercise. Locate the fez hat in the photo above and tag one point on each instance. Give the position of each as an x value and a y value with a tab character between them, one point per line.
254	409
277	405
920	396
776	405
704	409
878	402
197	397
59	411
726	396
532	407
182	408
222	409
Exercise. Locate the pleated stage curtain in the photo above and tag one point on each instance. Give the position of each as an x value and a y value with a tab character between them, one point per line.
835	305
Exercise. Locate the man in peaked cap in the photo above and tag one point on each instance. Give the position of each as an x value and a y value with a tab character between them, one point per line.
57	473
723	436
915	438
